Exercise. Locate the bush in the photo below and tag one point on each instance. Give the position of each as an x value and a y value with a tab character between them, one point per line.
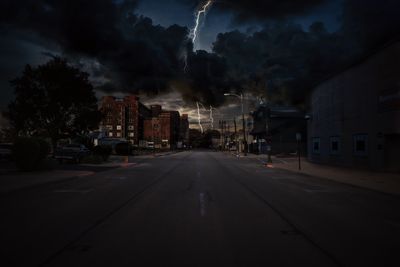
30	153
123	149
44	148
103	151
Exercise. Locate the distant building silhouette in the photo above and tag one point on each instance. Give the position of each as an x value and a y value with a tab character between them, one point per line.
277	127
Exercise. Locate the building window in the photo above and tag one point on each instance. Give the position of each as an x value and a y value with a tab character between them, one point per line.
119	127
109	127
118	134
316	144
335	145
360	144
131	134
131	128
110	134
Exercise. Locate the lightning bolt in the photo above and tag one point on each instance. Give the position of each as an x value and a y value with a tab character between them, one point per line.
202	11
211	110
211	118
199	117
185	59
194	32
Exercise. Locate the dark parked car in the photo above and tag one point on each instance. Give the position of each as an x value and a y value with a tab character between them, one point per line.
71	152
6	151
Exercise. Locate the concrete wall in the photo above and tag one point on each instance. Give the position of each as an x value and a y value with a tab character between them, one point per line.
362	101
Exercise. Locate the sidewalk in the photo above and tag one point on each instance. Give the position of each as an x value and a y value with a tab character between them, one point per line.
157	154
378	181
18	180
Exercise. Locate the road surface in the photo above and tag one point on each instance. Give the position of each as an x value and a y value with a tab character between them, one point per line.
199	209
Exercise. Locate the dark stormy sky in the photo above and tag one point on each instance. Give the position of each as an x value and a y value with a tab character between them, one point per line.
276	49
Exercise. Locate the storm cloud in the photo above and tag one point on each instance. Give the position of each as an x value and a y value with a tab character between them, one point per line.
261	9
133	54
126	52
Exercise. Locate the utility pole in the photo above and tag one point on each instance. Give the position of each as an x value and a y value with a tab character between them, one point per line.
224	133
243	120
268	136
236	139
244	127
298	139
221	133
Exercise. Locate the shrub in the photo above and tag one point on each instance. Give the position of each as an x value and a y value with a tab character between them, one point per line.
30	153
102	150
44	148
123	149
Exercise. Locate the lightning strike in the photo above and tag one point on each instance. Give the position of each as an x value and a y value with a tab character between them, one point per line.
194	32
185	61
199	117
211	110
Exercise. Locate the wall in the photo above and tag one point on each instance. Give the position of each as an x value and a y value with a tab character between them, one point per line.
363	100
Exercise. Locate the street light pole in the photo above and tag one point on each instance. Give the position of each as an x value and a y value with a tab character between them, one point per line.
244	123
244	127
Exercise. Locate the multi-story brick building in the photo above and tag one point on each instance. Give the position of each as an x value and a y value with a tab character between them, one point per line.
124	117
128	118
163	128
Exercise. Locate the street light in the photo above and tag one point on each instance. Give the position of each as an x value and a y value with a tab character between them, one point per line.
244	124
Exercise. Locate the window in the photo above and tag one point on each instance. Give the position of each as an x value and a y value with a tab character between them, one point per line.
316	143
335	145
118	134
119	127
109	127
131	134
131	127
110	134
360	144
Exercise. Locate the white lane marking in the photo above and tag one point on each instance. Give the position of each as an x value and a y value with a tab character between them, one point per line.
202	200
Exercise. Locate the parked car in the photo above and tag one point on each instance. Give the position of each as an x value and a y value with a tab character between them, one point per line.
71	152
6	151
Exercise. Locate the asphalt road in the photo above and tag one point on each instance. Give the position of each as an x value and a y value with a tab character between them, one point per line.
199	209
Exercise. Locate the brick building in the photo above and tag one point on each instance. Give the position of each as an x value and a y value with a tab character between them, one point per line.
124	117
127	118
163	128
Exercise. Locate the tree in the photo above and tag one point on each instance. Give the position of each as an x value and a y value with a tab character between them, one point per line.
54	100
